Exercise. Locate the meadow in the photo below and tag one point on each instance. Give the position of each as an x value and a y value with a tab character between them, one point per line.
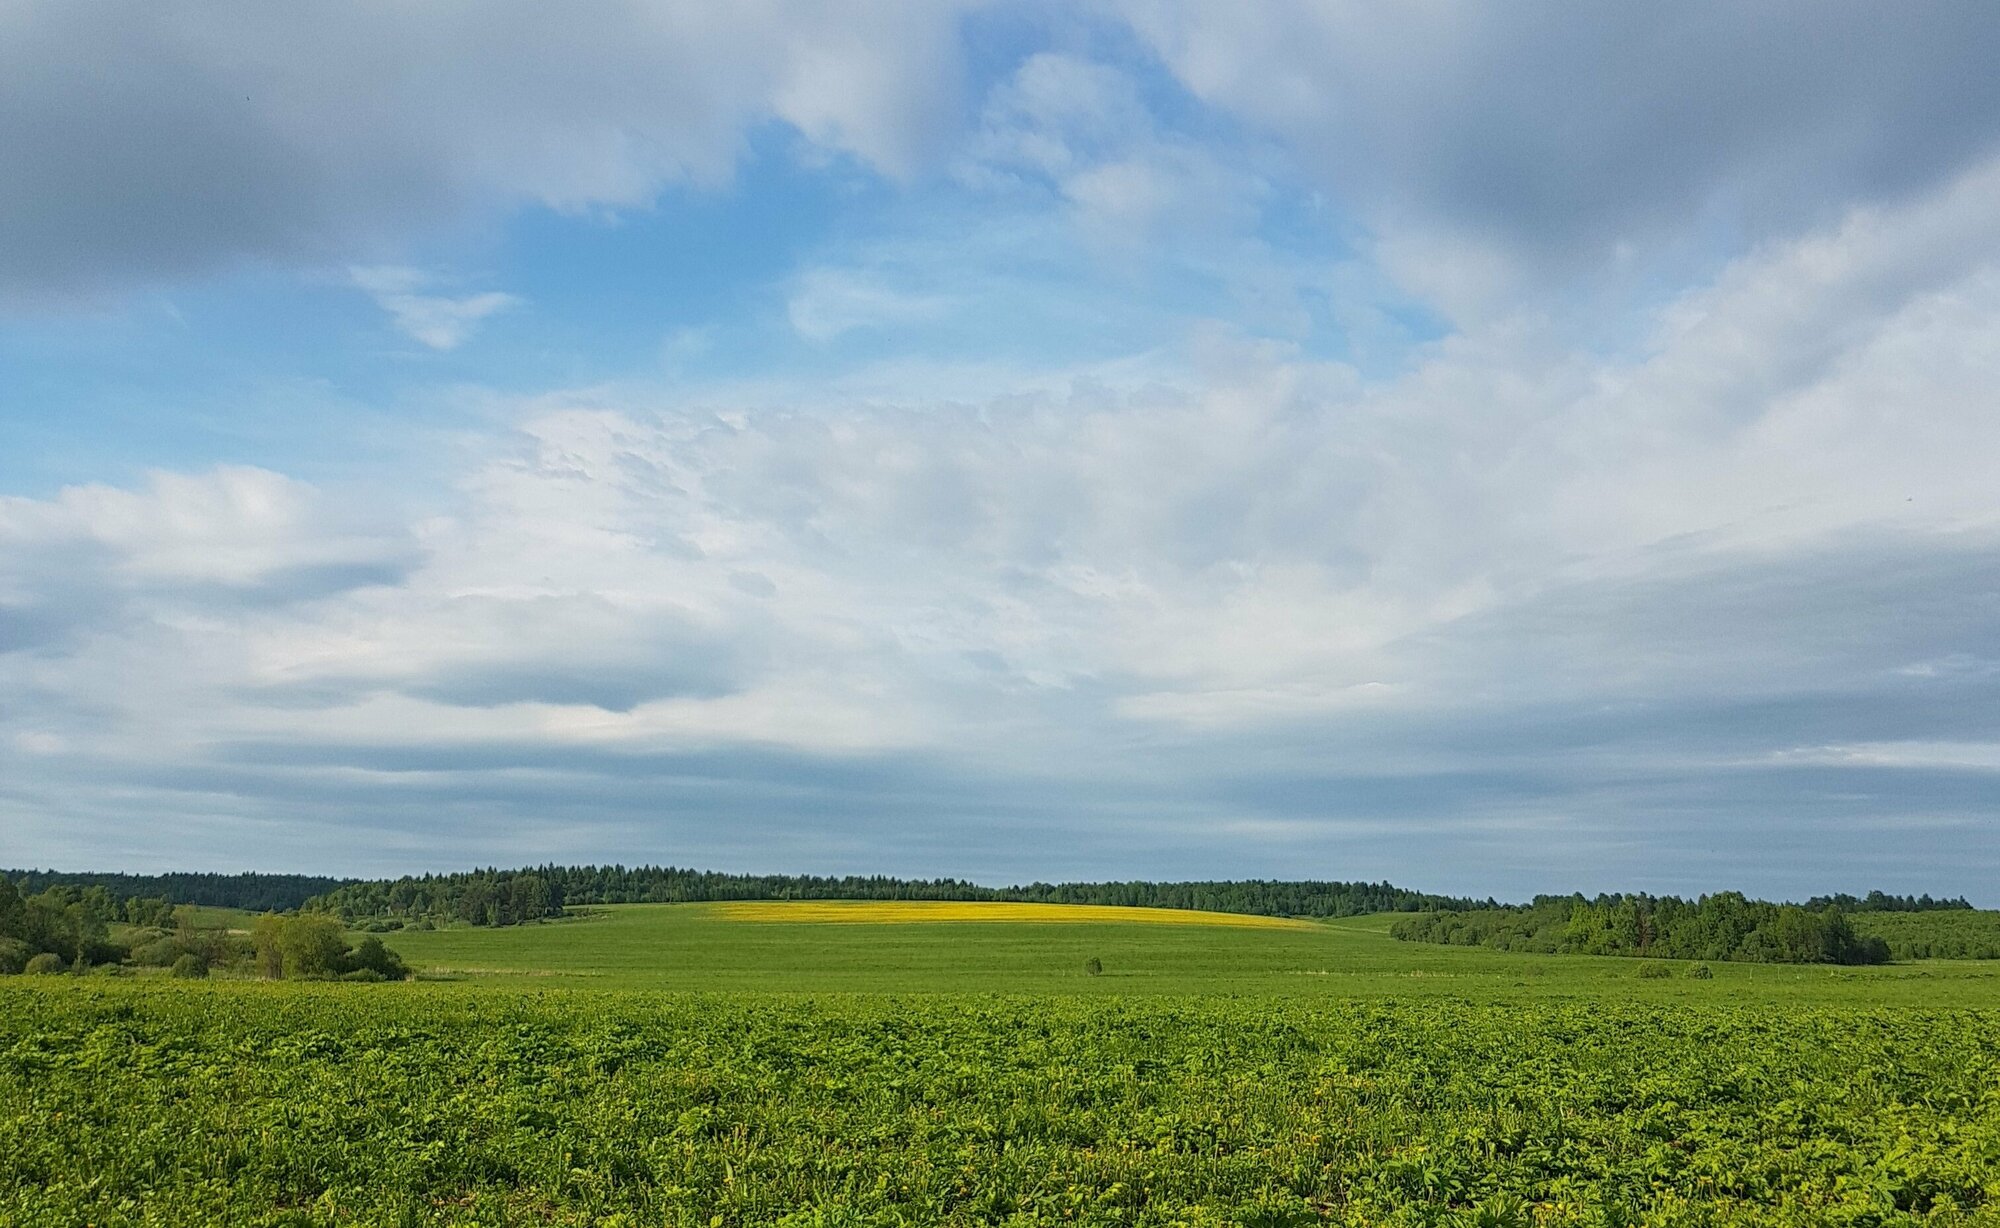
794	947
699	1065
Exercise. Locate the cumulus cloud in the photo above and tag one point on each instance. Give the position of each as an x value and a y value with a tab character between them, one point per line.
202	137
1479	147
1482	141
236	531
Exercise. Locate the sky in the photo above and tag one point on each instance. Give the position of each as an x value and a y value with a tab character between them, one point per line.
1495	448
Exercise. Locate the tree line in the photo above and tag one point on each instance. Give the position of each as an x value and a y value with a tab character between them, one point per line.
1723	926
1877	901
508	897
248	891
1935	934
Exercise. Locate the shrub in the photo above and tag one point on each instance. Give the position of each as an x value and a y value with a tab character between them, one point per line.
158	953
363	975
1700	972
48	963
189	968
1652	970
369	955
13	955
1093	966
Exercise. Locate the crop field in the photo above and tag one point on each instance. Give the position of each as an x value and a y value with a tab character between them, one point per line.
704	948
679	1065
914	912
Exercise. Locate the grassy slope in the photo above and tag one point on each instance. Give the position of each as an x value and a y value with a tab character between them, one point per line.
696	947
236	920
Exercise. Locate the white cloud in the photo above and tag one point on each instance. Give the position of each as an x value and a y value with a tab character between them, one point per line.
1955	756
234	526
442	322
828	302
1082	128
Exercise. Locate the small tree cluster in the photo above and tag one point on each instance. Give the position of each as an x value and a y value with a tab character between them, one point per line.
313	947
69	925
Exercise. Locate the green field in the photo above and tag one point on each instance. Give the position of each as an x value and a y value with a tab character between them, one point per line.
697	947
677	1064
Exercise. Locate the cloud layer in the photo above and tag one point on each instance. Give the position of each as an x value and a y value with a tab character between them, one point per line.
1499	450
1519	597
157	141
1536	134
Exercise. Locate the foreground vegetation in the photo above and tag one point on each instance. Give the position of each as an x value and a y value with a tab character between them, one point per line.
439	1104
877	1063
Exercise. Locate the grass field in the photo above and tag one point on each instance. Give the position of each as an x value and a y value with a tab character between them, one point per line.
907	912
791	947
794	1064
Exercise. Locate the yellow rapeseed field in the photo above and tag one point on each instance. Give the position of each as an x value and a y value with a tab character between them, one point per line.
903	912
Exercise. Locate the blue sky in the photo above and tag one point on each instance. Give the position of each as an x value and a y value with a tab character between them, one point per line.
1495	449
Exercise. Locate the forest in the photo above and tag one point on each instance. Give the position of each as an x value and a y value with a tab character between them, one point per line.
1723	926
248	891
1953	934
507	897
1878	901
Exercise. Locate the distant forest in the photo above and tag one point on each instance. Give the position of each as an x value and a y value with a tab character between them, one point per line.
1876	901
507	897
1952	934
1723	926
256	892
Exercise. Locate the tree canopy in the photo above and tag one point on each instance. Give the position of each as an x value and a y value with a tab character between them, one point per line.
1723	926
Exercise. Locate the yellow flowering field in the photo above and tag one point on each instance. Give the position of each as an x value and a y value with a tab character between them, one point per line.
904	912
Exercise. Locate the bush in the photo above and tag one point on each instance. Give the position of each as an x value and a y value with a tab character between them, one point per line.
1093	966
189	968
371	956
1652	970
158	953
366	975
1700	972
46	964
13	956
